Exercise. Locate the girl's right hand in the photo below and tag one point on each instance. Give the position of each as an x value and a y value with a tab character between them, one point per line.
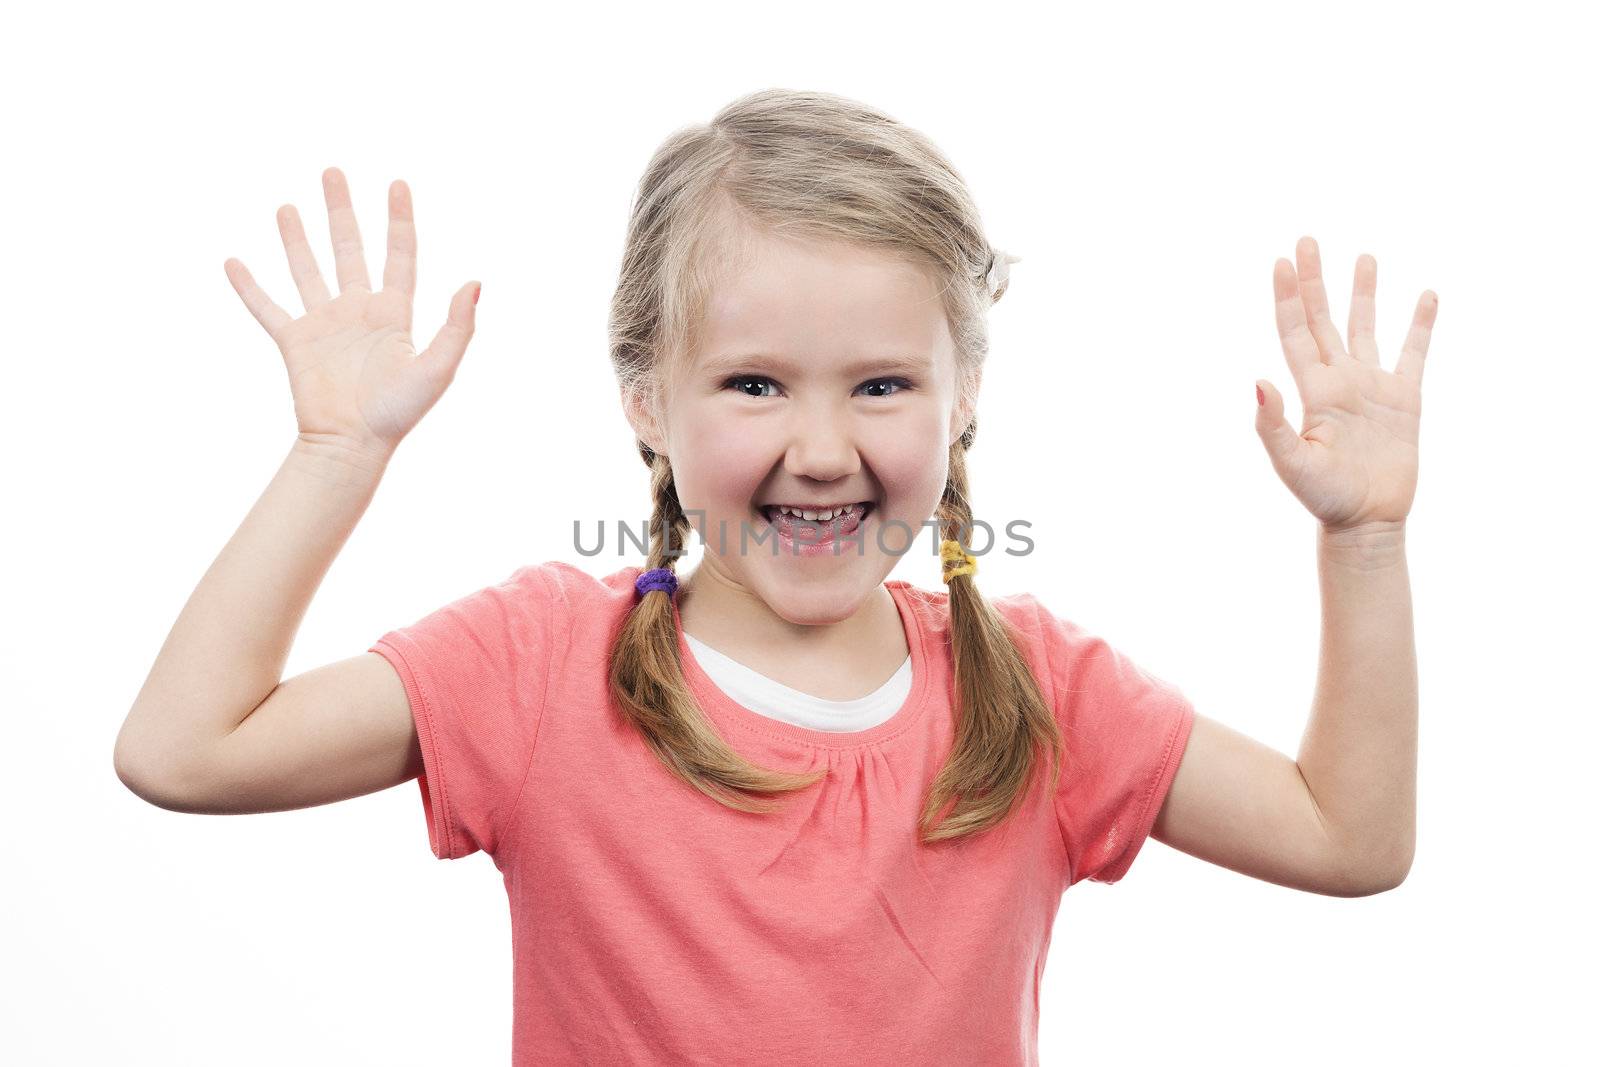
356	377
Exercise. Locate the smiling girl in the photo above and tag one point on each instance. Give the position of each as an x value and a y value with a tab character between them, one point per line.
786	808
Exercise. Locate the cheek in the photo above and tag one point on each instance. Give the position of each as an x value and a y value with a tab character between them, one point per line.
910	458
719	464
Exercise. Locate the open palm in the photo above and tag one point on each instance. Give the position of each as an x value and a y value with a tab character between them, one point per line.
355	375
1354	461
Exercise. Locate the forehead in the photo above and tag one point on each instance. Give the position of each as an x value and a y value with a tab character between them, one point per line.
820	299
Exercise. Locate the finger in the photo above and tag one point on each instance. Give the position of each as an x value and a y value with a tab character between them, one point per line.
1364	312
1415	352
1299	347
400	268
1283	444
349	264
441	358
302	261
272	317
1315	298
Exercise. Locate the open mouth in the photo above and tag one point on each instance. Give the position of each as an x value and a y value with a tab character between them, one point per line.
817	530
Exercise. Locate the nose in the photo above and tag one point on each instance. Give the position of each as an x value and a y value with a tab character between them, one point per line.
821	448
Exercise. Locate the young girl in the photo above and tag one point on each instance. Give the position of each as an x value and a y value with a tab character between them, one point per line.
785	809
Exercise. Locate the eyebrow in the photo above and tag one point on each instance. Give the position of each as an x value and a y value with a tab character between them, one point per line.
727	363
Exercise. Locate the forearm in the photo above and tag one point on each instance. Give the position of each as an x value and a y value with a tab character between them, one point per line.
226	652
1359	753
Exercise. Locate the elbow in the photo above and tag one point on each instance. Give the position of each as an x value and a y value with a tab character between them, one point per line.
1383	885
139	781
1397	876
1390	880
1381	876
128	770
151	778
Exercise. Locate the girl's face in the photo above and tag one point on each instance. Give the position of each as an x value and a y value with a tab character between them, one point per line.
824	375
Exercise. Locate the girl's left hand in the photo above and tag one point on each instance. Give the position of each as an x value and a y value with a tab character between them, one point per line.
1354	463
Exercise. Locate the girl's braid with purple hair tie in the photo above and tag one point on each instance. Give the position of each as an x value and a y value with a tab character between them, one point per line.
660	578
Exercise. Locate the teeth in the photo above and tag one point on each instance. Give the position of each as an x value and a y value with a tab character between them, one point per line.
826	515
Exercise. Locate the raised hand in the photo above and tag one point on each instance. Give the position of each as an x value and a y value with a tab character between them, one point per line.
1354	462
356	377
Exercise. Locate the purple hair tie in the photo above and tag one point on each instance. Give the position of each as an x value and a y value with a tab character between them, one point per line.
660	578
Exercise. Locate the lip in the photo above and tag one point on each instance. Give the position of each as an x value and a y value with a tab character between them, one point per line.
828	532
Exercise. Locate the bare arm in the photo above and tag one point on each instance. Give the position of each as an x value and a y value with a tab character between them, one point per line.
225	654
1340	820
212	729
1359	752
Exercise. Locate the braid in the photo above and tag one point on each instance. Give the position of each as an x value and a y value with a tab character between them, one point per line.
1001	715
669	527
646	674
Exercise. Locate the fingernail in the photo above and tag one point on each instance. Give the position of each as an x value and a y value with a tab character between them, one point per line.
475	293
1261	398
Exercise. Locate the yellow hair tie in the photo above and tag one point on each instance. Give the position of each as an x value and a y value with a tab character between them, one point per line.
950	552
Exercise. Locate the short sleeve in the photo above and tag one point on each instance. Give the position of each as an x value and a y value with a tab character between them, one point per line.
1125	731
475	672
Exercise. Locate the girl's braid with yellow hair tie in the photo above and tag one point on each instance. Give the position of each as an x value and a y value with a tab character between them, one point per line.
956	562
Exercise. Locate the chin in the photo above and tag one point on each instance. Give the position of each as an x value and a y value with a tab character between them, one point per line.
817	599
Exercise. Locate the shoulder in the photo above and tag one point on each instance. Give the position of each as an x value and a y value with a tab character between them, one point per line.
576	594
1025	614
1062	648
541	593
1023	611
1060	633
571	583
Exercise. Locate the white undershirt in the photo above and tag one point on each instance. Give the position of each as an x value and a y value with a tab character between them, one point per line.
776	701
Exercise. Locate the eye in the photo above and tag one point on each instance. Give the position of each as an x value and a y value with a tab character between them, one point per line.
898	383
744	380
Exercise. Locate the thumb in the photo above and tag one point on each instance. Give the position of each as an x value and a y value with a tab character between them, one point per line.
443	356
1280	438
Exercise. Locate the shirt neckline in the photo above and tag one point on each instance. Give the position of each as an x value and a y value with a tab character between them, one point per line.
728	668
726	709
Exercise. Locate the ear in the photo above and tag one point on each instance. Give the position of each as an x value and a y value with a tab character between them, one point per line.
961	415
645	427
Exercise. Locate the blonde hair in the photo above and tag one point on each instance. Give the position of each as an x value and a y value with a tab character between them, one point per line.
820	167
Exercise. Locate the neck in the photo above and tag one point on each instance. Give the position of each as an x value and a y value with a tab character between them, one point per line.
843	645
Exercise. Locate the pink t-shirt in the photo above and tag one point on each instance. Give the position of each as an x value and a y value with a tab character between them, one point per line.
651	924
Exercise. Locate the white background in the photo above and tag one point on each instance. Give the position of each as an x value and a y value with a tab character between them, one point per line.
1149	165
